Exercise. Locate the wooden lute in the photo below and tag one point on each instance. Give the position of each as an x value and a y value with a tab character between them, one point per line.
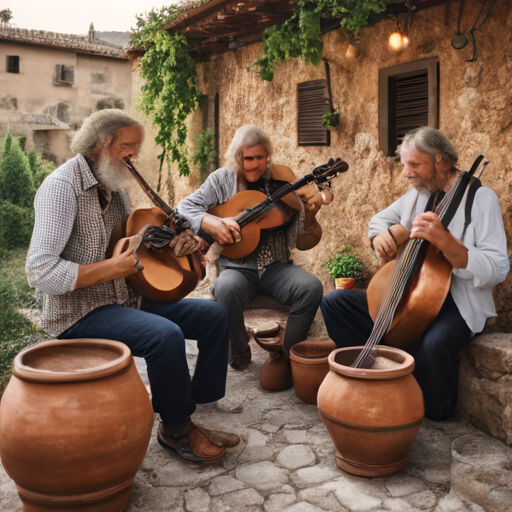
406	295
254	211
165	278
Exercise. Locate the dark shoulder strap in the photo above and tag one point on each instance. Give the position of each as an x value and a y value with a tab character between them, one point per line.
475	185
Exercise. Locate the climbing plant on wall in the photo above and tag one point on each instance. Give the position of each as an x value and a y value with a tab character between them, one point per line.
300	34
170	91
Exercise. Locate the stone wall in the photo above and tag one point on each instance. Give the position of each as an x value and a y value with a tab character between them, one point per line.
474	112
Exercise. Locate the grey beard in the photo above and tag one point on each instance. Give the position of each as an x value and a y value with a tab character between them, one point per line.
114	176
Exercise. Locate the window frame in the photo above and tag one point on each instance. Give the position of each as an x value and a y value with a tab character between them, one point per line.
431	66
9	67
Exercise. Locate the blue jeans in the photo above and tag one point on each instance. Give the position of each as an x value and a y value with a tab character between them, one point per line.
157	333
436	352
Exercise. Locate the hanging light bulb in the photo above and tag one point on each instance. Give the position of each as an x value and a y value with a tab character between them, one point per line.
405	41
396	41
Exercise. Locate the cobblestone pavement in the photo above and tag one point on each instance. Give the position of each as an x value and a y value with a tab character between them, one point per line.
285	463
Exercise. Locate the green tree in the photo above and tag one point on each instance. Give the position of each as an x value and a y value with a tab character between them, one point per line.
39	166
16	225
6	15
16	181
205	157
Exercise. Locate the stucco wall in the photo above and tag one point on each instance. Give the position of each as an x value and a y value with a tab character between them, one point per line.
474	112
40	105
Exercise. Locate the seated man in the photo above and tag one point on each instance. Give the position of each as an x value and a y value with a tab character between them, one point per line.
86	295
478	255
268	269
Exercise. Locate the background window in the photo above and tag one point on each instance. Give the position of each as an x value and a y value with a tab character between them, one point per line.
65	75
408	99
13	64
313	103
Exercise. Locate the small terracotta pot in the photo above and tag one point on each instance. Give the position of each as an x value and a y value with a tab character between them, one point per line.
352	51
310	366
75	424
345	283
372	416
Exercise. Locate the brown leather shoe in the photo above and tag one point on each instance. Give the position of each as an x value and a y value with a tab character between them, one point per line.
190	444
242	361
276	372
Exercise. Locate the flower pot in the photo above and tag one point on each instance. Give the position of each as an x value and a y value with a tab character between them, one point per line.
75	424
310	366
371	415
345	283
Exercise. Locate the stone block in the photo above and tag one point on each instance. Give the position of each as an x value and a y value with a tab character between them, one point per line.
485	385
481	472
295	456
263	476
197	500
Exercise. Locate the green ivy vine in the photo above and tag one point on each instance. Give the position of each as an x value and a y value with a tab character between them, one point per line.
300	34
170	91
205	156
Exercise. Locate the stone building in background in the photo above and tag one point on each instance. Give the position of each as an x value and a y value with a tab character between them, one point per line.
49	82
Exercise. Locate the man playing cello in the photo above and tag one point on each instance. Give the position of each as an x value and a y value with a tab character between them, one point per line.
478	254
267	270
86	295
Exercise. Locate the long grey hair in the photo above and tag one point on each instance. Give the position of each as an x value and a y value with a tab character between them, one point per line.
246	136
431	142
100	127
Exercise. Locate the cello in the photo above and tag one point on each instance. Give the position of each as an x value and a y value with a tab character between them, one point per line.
254	210
406	294
163	278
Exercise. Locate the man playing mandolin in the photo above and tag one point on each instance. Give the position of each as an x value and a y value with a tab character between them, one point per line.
267	269
86	295
477	252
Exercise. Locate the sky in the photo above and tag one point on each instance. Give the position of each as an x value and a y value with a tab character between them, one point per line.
74	16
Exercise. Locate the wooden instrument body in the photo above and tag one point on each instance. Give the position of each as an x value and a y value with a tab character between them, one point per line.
251	233
165	278
423	297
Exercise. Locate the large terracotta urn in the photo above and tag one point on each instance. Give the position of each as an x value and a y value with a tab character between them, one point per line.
75	424
310	366
371	415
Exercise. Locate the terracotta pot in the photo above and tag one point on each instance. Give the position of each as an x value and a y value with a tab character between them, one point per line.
310	366
75	424
372	416
345	283
353	51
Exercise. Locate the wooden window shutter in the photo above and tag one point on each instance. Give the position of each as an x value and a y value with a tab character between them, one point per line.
408	99
65	74
313	103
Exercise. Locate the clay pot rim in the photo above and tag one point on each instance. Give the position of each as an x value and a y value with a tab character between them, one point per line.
405	368
313	359
27	373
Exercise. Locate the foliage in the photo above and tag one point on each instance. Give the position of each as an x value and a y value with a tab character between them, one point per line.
206	157
16	182
331	119
300	34
344	263
6	15
170	91
110	102
16	331
9	138
39	166
16	225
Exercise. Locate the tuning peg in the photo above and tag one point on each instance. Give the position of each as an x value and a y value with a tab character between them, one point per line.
331	161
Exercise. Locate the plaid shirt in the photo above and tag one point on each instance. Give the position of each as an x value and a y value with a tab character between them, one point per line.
71	230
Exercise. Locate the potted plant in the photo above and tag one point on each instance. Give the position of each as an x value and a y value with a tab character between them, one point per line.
331	120
344	267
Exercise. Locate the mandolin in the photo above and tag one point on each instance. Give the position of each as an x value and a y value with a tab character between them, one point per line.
163	278
254	211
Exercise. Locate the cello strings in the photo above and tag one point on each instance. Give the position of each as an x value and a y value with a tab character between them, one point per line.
397	286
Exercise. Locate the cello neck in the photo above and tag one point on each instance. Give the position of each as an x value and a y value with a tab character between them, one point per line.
153	196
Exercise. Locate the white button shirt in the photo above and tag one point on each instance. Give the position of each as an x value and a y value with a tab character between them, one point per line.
488	263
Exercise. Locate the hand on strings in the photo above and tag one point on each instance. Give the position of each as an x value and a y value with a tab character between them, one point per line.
311	197
225	231
428	226
185	243
385	247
